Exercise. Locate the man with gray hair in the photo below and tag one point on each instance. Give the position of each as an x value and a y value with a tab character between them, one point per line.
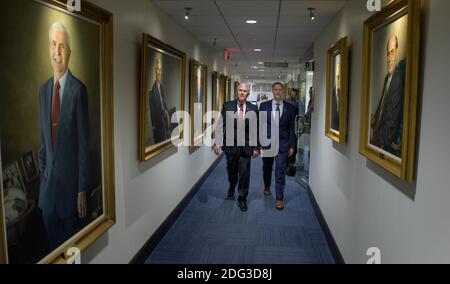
239	143
64	138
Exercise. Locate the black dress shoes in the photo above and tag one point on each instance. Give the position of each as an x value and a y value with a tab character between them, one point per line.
243	205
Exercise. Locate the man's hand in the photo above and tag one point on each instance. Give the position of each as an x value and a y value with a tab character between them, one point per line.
81	205
217	149
291	152
255	153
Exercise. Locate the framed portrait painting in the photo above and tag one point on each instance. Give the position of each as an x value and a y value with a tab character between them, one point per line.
218	96
228	89
29	166
337	94
60	107
236	86
163	70
390	87
197	104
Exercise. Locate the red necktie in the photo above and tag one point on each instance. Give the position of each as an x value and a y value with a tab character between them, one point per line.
241	113
56	109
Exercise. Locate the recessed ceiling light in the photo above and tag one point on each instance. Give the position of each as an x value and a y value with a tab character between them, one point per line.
251	22
311	14
187	14
260	63
262	70
258	49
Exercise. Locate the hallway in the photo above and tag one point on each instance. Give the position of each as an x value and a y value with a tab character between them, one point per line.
213	230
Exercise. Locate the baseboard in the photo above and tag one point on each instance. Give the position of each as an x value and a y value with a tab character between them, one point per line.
142	255
339	259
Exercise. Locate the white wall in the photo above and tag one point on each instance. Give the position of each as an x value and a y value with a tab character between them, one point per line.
363	204
147	192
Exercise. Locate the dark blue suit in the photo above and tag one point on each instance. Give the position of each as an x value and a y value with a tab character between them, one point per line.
238	154
64	168
286	141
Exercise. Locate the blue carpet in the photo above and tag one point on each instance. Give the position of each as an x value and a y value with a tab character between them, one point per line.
212	230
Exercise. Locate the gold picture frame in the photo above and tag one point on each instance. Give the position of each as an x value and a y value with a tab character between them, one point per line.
198	91
99	23
228	89
390	87
218	98
337	92
156	124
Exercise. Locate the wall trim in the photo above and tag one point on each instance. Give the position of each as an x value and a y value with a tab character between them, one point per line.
142	255
337	255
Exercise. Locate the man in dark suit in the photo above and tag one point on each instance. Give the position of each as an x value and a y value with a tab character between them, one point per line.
64	138
335	99
158	109
239	141
280	115
386	122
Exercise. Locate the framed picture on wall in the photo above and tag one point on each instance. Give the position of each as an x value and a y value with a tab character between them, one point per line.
29	166
197	104
337	94
163	71
390	87
228	89
236	85
68	86
218	98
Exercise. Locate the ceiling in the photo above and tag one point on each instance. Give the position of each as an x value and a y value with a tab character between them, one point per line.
284	30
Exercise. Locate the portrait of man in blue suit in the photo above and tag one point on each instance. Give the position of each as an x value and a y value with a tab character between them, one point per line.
64	139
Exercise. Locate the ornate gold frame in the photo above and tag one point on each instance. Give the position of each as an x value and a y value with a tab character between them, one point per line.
194	65
147	153
392	11
228	89
99	226
340	47
215	92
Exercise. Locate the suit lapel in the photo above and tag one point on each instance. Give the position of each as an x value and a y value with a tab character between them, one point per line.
285	110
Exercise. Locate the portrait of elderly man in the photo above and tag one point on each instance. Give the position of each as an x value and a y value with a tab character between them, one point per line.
64	139
387	120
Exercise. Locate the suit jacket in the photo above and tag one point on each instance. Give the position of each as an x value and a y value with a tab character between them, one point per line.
160	125
251	142
287	137
389	113
64	169
334	109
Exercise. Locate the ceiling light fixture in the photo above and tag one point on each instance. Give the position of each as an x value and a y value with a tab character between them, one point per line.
258	49
261	63
251	22
311	14
187	14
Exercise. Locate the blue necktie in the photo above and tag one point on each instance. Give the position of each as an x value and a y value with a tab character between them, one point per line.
278	113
